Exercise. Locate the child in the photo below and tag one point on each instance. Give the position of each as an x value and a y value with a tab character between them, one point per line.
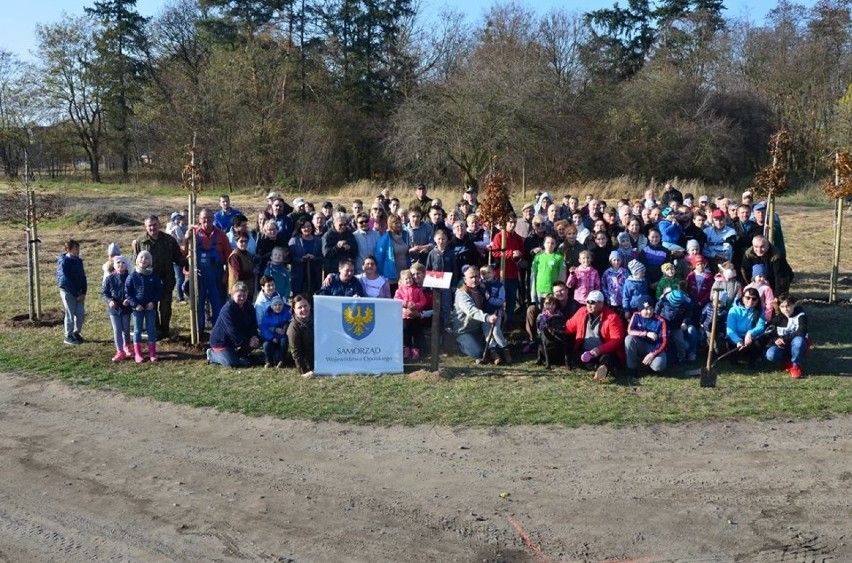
112	251
144	290
495	298
443	259
118	306
767	296
551	326
669	281
418	272
791	341
625	248
71	279
698	282
273	330
612	284
277	270
241	265
676	308
547	267
264	298
636	291
414	301
583	279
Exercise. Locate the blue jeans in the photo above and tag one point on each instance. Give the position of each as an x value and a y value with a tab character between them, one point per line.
471	344
150	320
120	330
227	357
75	313
682	343
180	280
511	298
794	351
275	352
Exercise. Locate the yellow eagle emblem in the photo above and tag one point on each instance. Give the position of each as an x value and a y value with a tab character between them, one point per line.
358	319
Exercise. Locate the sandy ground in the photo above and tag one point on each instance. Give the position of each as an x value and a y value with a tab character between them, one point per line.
90	475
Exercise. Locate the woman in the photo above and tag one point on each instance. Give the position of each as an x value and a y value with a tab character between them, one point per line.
392	256
654	255
300	336
378	219
744	325
637	240
234	335
306	253
374	284
600	246
464	249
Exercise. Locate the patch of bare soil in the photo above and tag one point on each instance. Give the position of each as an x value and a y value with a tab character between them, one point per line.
50	317
426	375
97	476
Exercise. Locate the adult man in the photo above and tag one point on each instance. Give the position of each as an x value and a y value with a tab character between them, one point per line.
225	216
165	253
212	249
280	213
598	335
470	317
299	211
691	231
366	238
779	274
524	226
646	341
436	219
745	229
759	212
470	196
419	236
338	244
239	226
421	201
670	192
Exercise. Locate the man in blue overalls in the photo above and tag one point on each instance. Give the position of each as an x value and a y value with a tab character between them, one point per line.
213	248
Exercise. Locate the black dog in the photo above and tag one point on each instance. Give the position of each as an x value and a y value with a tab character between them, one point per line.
552	342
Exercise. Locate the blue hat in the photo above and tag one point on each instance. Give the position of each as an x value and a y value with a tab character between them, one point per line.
760	205
614	255
676	297
758	270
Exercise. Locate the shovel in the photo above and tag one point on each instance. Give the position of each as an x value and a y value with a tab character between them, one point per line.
708	373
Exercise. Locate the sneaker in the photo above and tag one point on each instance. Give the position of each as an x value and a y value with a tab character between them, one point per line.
76	336
244	362
415	353
795	371
119	356
267	365
209	354
280	365
600	374
69	340
406	352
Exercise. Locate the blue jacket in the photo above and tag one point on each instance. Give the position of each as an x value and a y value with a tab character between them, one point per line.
742	320
635	293
70	274
272	320
337	288
384	255
114	289
655	324
675	316
142	289
234	327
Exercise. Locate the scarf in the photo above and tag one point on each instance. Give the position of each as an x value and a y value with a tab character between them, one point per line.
145	271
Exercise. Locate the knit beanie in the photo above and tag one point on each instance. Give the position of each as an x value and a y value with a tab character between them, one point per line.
676	297
113	249
623	236
692	243
614	255
636	267
665	267
758	270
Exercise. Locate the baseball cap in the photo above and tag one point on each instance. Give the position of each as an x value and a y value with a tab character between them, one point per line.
760	205
718	214
704	199
273	195
595	297
299	201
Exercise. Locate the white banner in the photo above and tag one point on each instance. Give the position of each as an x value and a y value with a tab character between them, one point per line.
357	335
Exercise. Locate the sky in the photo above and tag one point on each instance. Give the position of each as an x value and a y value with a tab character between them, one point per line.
17	26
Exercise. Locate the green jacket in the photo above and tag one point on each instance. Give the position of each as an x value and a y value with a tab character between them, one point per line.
165	251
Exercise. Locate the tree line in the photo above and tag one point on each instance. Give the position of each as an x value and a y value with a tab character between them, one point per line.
308	93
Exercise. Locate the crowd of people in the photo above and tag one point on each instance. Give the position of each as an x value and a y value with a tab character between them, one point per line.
610	288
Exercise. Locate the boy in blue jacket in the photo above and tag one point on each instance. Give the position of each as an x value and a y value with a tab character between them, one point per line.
71	279
646	341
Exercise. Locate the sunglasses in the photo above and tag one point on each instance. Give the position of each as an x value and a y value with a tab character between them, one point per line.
749	298
361	222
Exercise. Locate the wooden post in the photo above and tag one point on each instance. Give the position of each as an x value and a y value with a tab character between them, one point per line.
36	268
192	253
835	265
436	328
769	224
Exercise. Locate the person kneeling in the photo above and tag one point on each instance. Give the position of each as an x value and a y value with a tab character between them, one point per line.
472	323
646	341
234	334
791	341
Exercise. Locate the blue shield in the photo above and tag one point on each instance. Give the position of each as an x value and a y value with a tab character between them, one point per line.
359	319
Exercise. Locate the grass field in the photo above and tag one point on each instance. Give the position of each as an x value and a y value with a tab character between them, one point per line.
467	395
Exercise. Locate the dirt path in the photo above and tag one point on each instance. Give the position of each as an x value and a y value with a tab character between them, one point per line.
96	476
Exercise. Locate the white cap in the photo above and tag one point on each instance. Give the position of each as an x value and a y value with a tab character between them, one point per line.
595	297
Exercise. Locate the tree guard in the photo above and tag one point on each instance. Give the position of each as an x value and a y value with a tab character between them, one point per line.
839	188
771	180
193	182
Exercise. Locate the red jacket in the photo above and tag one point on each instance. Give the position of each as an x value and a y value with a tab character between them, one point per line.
217	236
513	242
612	331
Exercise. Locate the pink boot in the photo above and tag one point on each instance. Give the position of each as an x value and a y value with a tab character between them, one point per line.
128	351
119	356
152	351
137	351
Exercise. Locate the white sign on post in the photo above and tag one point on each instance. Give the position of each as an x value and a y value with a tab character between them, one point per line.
357	335
438	280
